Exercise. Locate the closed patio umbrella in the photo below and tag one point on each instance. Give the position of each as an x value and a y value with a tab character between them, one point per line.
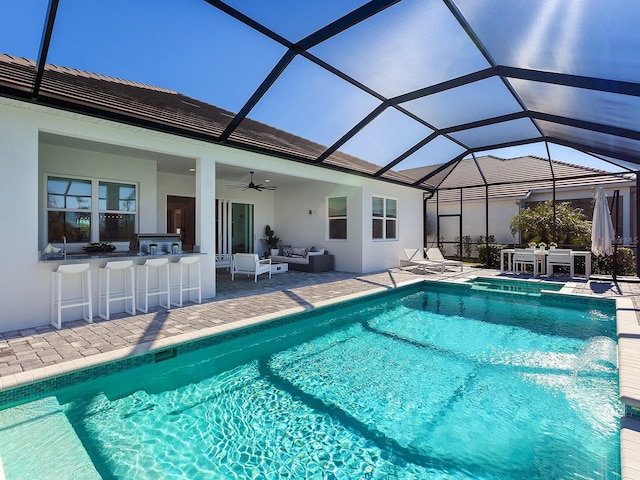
602	233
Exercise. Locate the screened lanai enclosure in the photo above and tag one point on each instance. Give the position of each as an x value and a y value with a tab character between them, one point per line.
420	93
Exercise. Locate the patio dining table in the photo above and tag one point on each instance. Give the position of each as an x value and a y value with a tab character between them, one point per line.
540	253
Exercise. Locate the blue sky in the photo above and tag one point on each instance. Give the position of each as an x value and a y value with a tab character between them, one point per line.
203	53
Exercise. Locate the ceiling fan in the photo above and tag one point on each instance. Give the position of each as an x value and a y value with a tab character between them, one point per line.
259	187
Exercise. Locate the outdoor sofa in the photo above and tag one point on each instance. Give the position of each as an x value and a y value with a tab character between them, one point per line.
304	259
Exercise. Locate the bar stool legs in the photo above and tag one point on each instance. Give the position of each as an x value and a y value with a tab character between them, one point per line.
188	284
104	281
58	304
159	265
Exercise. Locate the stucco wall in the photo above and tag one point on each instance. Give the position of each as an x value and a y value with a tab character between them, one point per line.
25	162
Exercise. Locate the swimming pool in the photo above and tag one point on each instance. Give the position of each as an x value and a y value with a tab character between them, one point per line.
434	382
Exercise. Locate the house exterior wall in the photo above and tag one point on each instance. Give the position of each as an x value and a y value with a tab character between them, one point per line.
26	282
296	227
25	161
381	254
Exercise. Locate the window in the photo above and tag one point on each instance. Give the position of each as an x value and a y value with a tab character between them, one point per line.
90	210
117	206
384	221
337	207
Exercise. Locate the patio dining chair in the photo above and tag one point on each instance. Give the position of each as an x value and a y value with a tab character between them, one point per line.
560	257
435	255
523	257
250	264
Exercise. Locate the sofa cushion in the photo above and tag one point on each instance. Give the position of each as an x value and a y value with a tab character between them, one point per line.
299	252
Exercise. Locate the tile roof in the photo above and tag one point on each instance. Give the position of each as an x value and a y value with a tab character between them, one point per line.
511	177
161	108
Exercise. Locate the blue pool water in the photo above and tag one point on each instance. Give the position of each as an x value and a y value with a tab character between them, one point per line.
445	383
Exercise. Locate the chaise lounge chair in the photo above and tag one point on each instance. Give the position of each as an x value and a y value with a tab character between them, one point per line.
250	264
411	261
435	255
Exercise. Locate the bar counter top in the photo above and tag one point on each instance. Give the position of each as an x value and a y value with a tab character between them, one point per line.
58	258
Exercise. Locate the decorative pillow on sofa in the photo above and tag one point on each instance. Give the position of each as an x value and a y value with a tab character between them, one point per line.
285	250
299	252
316	251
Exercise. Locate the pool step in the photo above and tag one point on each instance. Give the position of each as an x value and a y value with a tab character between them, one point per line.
488	287
38	441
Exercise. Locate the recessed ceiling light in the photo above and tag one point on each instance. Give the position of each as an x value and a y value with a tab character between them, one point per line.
192	169
267	180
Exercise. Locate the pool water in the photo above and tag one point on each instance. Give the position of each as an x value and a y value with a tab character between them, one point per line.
440	384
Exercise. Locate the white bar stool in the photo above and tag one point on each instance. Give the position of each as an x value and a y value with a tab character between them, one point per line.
184	266
159	264
104	287
58	303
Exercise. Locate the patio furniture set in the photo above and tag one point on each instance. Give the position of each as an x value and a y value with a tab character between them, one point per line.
542	261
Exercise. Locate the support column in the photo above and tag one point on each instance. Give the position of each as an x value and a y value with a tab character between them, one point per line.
206	222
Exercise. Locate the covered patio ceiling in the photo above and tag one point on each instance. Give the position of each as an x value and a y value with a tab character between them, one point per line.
375	88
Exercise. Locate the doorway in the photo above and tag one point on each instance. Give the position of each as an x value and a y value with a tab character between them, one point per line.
181	219
234	227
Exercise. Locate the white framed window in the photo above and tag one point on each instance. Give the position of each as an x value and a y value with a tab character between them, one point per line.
90	210
384	218
337	218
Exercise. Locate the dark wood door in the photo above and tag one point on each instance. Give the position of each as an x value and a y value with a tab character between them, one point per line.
181	218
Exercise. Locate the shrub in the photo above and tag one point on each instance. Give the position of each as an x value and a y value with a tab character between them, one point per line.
604	264
494	254
536	224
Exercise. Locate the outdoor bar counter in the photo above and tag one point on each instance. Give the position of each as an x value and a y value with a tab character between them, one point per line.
119	283
139	258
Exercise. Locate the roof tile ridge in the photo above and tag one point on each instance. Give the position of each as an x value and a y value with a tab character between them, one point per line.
8	58
582	167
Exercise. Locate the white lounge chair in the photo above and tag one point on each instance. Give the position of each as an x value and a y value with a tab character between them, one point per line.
414	260
250	264
435	255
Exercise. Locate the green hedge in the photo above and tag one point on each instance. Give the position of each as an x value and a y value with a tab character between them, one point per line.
604	265
494	254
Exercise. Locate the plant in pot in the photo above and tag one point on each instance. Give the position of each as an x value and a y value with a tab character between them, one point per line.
272	240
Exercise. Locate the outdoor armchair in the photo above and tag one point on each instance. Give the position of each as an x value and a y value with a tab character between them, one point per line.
250	264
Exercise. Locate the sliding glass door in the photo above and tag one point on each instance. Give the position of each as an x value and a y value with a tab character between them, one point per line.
234	227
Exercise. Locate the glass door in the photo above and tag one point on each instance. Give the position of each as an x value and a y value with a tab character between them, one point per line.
242	228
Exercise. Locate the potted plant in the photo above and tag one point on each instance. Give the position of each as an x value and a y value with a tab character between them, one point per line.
533	244
272	240
552	245
542	246
99	247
